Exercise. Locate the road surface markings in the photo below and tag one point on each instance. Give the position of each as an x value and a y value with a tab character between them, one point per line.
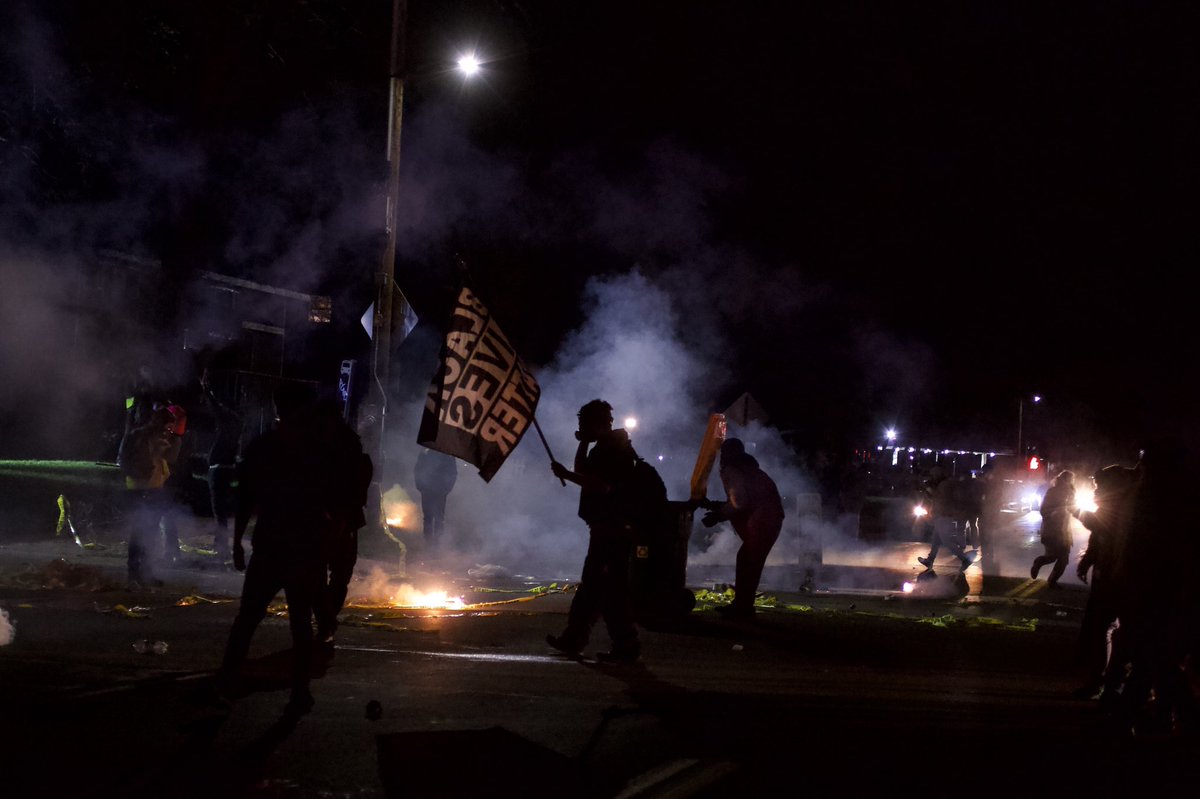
1027	588
487	657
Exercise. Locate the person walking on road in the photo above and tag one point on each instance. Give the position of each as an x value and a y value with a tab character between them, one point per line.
947	520
352	473
604	459
1058	506
222	467
435	475
146	457
284	483
754	508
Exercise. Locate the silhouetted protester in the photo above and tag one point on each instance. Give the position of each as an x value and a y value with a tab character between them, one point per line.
1107	526
140	399
1058	506
145	462
435	475
222	467
754	509
287	485
990	490
946	518
352	472
1159	563
603	461
972	497
177	492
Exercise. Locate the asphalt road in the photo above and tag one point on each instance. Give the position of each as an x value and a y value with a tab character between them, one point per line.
962	686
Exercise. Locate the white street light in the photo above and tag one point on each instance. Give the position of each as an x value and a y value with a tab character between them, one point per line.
468	64
630	423
891	434
1036	398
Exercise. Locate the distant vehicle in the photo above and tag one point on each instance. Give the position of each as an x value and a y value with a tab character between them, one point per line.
1022	482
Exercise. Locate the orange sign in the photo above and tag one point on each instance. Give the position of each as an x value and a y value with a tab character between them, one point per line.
709	447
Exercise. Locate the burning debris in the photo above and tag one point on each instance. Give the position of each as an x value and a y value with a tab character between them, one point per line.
379	589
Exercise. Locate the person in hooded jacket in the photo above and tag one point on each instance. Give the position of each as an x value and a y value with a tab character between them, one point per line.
1058	507
755	510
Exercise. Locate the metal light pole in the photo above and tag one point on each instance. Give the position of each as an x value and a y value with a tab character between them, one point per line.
1020	413
381	324
382	338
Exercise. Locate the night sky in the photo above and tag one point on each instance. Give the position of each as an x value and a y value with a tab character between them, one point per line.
909	214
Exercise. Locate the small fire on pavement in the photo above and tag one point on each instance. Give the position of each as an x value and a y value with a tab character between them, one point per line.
383	590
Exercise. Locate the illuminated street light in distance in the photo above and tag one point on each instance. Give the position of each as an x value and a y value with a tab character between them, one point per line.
891	434
630	423
468	64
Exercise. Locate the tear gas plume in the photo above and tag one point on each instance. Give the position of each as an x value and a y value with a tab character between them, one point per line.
636	352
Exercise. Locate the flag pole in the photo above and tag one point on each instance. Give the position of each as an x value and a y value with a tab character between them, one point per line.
545	444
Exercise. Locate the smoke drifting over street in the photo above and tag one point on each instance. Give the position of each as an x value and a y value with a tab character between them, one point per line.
634	350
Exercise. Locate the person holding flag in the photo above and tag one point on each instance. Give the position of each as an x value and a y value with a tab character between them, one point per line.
604	459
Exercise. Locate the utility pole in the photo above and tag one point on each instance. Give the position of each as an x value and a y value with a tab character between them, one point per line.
1020	414
381	337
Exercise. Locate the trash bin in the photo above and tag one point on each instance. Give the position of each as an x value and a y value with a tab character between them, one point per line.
658	568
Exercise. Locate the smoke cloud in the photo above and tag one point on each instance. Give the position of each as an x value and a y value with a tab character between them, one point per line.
639	353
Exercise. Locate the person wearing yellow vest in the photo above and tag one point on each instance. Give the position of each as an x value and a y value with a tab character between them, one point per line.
146	456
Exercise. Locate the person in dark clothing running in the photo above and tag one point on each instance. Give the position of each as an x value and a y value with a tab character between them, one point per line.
603	461
435	475
754	508
1058	506
284	483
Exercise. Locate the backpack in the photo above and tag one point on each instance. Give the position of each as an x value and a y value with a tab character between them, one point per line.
135	458
643	495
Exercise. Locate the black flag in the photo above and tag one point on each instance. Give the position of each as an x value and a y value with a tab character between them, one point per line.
483	397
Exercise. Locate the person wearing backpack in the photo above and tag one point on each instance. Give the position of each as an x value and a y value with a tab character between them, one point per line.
145	463
755	510
604	460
